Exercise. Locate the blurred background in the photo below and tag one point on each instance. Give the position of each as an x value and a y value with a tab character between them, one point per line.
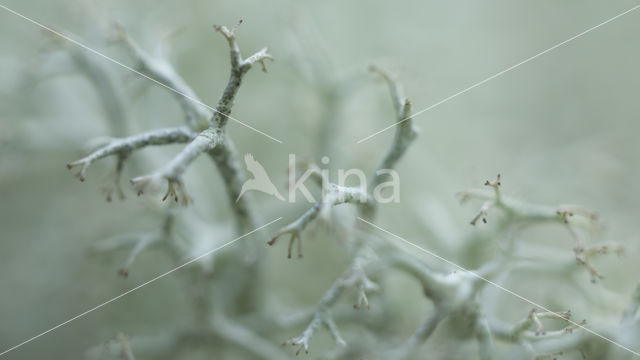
562	128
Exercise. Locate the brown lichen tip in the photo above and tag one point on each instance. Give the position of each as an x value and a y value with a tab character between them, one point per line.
176	190
80	174
273	240
564	215
569	329
229	34
495	183
294	236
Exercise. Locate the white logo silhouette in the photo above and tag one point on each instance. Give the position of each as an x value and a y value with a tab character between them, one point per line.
260	181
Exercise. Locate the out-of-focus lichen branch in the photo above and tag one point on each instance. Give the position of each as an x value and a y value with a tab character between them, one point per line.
334	194
127	353
96	71
521	330
244	338
572	217
353	277
585	255
631	312
452	293
139	247
405	134
484	338
520	211
157	346
360	281
295	229
320	318
521	333
137	242
198	116
114	186
432	283
421	334
170	345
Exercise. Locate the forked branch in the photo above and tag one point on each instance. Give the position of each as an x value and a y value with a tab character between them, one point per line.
335	194
212	137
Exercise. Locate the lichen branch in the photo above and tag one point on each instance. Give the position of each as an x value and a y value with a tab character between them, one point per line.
353	276
405	133
630	313
198	116
584	256
114	186
572	217
534	319
421	334
332	195
137	242
239	67
123	147
142	244
127	353
521	332
211	140
520	211
295	229
244	338
172	172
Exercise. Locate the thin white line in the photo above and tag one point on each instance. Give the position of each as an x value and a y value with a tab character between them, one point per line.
498	74
197	101
138	287
500	287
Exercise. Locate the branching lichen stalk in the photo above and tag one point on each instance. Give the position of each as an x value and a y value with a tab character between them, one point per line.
211	140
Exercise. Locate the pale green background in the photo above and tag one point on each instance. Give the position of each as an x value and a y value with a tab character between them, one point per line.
561	129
